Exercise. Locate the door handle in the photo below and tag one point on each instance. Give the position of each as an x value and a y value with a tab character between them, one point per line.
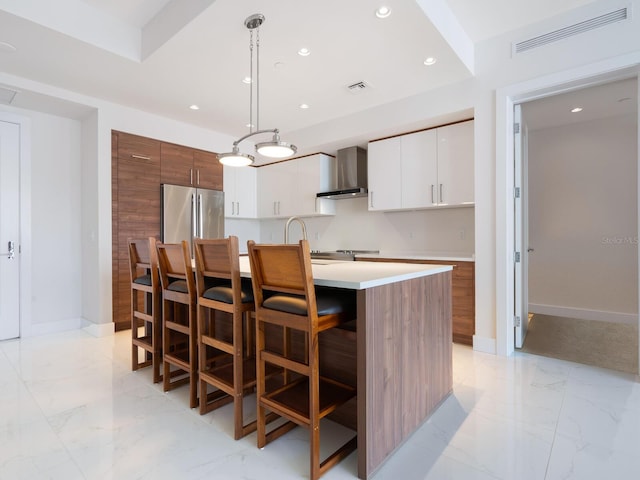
11	250
530	249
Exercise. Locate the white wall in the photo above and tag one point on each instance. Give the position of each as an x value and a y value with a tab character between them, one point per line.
55	199
449	230
583	217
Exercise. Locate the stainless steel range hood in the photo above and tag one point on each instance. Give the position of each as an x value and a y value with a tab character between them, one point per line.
352	174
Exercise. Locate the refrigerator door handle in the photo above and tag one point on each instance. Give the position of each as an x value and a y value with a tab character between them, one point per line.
194	207
200	217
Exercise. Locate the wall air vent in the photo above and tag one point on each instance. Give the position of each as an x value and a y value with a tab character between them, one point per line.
358	87
7	95
581	27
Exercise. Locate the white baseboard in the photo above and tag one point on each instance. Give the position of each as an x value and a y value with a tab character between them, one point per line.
484	344
584	314
99	330
45	328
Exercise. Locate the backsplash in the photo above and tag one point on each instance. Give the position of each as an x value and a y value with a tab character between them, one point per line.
354	227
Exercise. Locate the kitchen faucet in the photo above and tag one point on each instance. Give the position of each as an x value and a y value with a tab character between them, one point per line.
286	228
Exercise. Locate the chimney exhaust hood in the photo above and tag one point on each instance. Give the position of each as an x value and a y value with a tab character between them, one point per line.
351	173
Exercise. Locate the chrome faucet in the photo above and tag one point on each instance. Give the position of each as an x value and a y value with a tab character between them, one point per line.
286	228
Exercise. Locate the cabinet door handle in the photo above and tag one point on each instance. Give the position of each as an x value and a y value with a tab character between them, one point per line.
237	208
198	177
274	208
440	193
278	207
140	157
191	176
432	198
371	199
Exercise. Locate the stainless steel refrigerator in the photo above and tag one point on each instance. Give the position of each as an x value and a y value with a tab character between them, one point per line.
189	212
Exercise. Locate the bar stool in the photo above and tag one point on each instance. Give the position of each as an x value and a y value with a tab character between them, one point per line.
145	305
179	327
285	297
226	352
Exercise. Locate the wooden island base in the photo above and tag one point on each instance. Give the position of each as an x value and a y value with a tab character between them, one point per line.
403	357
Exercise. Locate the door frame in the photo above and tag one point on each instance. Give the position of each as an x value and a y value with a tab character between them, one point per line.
25	218
624	66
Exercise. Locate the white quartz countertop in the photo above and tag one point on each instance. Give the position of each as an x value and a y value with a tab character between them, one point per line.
360	275
444	256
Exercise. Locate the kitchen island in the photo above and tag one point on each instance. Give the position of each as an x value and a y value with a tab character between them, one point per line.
403	348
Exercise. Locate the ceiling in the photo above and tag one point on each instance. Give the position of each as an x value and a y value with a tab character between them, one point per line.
162	56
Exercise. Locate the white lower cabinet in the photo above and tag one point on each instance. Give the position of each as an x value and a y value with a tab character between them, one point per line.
431	168
240	185
289	188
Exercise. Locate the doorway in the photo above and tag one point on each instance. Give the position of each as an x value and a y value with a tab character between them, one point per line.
9	230
582	249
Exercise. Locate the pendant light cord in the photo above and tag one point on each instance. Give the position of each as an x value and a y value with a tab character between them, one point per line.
258	78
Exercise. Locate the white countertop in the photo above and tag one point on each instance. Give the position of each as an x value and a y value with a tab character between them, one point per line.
444	256
360	275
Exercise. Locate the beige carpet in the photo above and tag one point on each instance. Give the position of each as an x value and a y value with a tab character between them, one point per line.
603	344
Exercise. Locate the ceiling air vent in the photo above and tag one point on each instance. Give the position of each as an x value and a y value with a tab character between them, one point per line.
7	95
581	27
358	87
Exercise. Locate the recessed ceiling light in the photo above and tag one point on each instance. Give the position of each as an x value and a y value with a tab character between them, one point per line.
304	106
430	61
246	80
249	125
194	107
576	110
304	52
383	12
6	47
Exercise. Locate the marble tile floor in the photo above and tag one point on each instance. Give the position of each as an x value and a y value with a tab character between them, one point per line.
72	409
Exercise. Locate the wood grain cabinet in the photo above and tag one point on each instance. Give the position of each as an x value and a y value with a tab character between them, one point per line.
190	167
463	295
138	166
135	209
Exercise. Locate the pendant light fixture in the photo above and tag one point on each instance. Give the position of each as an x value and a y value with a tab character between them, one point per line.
275	148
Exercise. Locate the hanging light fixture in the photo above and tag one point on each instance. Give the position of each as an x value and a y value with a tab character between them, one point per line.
275	148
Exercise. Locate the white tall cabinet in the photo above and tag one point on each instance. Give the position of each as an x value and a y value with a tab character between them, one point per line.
240	184
430	168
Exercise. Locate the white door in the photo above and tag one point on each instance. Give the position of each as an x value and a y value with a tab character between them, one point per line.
9	230
521	235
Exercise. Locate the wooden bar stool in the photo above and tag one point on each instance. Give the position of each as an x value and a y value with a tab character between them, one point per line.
226	348
285	297
145	305
179	327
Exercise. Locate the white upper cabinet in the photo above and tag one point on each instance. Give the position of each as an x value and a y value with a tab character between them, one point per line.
316	173
240	185
276	183
419	169
384	172
455	164
290	187
431	168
